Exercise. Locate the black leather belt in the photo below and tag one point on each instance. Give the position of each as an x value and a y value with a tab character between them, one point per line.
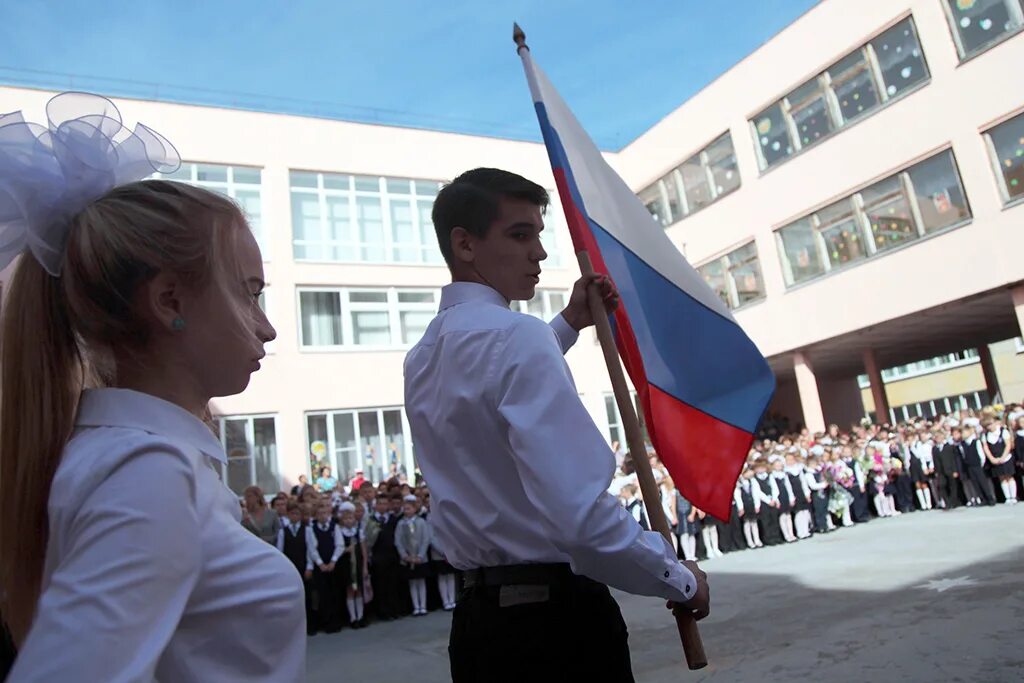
517	575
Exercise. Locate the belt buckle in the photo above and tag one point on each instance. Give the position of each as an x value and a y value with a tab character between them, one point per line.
510	596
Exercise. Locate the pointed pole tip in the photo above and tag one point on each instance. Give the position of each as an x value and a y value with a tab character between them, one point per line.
518	36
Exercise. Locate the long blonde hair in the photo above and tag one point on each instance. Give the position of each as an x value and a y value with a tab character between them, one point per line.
60	335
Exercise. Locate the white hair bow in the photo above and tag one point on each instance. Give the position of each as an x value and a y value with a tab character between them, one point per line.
50	173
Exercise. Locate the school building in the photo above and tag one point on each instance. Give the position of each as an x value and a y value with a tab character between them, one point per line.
853	190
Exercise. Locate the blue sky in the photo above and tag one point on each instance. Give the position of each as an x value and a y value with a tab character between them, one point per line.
448	65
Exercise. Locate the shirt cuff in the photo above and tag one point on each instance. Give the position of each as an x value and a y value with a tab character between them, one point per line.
681	581
567	336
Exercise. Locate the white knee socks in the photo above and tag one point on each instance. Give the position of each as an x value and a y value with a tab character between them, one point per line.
803	524
446	587
1009	487
418	592
706	535
747	534
928	498
847	519
880	506
755	530
355	608
689	544
890	502
786	524
714	542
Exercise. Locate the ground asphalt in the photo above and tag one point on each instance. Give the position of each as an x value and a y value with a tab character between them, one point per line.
929	596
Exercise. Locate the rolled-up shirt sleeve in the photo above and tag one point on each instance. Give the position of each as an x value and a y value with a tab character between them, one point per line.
566	479
112	605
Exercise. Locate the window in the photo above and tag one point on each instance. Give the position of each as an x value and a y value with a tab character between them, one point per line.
241	183
886	68
616	432
363	219
377	318
924	367
553	237
922	199
1006	146
736	276
373	440
699	181
545	304
978	25
250	443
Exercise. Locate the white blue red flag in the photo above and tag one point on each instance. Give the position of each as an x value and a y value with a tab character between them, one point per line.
702	382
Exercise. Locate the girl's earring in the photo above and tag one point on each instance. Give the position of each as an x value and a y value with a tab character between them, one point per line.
177	324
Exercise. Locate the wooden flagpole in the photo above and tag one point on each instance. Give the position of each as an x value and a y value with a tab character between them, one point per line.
689	634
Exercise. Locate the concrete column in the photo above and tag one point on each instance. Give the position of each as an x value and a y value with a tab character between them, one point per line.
807	386
877	386
989	371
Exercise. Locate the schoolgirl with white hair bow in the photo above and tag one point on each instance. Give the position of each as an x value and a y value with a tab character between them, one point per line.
132	305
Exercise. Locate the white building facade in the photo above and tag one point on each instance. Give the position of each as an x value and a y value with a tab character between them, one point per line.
852	190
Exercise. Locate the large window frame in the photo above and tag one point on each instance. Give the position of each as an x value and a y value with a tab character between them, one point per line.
726	269
359	193
860	231
350	308
250	459
1011	192
825	91
367	425
958	19
236	185
671	198
545	304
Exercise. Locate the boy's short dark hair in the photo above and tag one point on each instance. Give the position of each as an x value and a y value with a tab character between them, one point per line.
472	201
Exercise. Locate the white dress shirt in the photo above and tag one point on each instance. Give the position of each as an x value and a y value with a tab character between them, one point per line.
518	472
148	574
311	544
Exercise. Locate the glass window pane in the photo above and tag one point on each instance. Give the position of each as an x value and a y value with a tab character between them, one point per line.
713	273
345	454
695	184
403	232
810	113
183	173
367	184
371	228
371	328
394	442
980	23
722	162
320	313
853	85
416	297
302	179
427	188
899	56
265	454
316	428
236	446
398	185
745	270
939	195
841	233
557	301
211	174
414	324
535	306
801	251
1008	142
306	226
652	199
772	135
242	174
888	213
370	449
333	181
368	297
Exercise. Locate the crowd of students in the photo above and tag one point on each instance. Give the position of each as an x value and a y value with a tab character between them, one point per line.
797	485
365	549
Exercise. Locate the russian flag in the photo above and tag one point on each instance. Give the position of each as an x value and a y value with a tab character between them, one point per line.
702	382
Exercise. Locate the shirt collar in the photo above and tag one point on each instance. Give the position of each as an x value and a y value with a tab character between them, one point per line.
461	292
136	410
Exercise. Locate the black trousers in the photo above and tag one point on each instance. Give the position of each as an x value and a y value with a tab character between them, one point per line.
385	579
577	634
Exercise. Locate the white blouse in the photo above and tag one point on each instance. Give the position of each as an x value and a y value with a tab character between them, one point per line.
148	573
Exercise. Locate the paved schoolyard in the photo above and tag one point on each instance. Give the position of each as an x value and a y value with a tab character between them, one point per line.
935	596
